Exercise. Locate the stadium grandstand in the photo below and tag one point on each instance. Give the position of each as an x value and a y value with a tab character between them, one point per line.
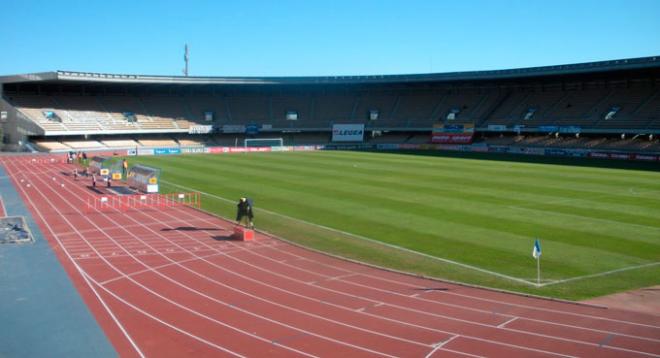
610	106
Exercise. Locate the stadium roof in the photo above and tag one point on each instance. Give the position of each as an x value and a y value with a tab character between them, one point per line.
557	70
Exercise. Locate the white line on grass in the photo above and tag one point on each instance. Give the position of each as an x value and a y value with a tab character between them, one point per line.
599	274
364	238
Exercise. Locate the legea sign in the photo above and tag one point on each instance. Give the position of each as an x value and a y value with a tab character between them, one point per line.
347	132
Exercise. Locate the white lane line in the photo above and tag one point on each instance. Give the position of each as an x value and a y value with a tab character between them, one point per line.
517	305
236	308
439	345
502	325
513	305
417	311
171	326
136	273
278	304
394	320
364	238
340	277
176	304
448	304
84	276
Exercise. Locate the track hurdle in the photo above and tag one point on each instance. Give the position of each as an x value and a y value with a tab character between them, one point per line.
42	160
143	201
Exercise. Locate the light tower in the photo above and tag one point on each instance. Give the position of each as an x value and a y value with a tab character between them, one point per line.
185	60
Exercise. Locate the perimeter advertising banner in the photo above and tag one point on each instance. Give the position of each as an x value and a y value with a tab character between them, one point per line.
452	134
167	151
347	132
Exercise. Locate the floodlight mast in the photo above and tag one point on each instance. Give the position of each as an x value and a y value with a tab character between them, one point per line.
185	60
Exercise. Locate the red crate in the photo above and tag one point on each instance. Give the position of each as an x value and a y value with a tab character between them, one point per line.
243	234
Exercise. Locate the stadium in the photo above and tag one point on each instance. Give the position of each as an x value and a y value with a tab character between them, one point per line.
395	215
607	108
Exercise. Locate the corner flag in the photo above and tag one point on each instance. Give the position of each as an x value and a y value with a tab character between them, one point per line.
536	252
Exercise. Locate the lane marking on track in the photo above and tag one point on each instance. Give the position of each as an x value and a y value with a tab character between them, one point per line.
502	325
440	344
175	263
328	338
364	238
497	311
86	278
177	329
457	319
410	324
219	322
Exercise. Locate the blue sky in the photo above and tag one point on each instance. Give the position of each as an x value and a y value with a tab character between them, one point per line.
306	38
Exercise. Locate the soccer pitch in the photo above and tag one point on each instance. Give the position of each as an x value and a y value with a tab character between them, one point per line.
466	220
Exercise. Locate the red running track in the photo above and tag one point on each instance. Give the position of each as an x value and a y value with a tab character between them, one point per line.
169	283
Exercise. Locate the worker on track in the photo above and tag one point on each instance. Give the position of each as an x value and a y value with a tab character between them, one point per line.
244	215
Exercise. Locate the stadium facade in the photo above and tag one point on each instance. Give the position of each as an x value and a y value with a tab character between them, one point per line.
609	105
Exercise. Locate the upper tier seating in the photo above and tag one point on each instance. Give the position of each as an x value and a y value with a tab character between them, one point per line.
158	143
52	145
89	144
638	108
120	143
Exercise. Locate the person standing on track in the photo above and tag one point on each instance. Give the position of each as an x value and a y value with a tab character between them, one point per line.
94	180
124	167
244	213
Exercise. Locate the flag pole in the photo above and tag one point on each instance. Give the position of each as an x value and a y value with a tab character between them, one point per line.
538	270
536	252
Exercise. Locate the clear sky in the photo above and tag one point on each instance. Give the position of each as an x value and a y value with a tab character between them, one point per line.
314	37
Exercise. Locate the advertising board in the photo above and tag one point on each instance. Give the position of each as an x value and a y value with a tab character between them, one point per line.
200	129
167	151
347	132
452	138
145	151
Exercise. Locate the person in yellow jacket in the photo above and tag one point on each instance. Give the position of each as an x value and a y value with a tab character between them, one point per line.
124	168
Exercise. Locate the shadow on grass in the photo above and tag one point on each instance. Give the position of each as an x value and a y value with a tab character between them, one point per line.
536	159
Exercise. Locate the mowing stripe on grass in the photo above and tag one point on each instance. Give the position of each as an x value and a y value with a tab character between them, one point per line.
444	217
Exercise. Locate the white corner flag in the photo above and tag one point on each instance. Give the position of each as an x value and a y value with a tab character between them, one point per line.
536	252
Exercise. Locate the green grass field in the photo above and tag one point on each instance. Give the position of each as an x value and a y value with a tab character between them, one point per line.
473	220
